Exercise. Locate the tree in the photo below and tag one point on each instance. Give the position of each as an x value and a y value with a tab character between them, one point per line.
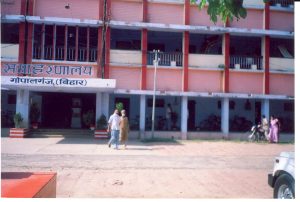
225	9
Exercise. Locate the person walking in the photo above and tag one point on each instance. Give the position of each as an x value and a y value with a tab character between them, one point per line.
274	129
124	128
265	126
114	128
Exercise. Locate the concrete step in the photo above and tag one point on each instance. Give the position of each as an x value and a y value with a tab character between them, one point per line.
61	133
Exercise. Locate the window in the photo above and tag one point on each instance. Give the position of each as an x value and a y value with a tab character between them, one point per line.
9	33
205	44
125	39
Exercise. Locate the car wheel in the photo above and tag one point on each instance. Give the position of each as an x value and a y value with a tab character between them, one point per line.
284	187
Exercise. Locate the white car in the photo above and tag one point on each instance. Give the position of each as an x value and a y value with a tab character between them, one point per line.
283	177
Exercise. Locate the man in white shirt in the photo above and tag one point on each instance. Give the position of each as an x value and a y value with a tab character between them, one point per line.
114	128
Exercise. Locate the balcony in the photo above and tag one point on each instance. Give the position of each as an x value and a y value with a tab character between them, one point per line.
282	64
10	51
205	61
59	54
282	3
246	62
166	59
125	57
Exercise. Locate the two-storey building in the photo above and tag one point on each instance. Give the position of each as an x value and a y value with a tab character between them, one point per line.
71	57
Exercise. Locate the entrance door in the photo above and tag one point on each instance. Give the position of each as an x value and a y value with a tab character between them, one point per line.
192	113
257	112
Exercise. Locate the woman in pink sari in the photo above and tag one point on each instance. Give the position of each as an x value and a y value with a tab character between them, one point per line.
274	129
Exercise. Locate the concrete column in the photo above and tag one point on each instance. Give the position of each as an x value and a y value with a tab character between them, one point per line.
184	117
225	117
99	106
142	116
265	108
105	104
23	106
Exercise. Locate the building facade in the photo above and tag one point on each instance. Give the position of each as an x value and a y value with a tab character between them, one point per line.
74	57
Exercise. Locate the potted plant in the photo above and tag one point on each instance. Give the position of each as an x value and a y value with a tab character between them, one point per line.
101	128
18	131
89	119
119	107
34	115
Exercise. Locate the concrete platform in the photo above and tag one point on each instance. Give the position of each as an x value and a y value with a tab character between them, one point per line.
28	185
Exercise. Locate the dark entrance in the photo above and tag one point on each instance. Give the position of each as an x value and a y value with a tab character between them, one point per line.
191	118
257	112
57	109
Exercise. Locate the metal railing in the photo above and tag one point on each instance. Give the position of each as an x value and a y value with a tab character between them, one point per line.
166	59
246	62
283	3
59	53
36	52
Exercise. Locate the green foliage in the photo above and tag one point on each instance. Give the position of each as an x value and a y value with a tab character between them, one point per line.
89	118
119	106
18	120
225	9
34	113
102	123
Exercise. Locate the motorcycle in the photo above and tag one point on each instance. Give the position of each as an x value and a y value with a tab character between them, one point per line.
257	134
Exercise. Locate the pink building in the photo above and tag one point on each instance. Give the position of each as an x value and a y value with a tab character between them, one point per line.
71	57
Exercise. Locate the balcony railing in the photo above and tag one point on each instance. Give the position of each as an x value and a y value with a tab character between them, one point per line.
59	53
166	59
245	62
283	3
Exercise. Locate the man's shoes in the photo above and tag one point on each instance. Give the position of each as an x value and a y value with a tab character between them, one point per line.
109	145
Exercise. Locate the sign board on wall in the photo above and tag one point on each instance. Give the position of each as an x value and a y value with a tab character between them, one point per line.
47	70
57	84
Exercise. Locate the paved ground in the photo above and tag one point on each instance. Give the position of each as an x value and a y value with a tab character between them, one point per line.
186	169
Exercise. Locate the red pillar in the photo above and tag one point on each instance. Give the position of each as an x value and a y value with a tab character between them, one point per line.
186	38
144	47
186	42
144	59
267	50
145	10
107	54
99	52
227	63
267	65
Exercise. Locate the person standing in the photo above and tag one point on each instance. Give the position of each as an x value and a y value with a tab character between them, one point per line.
124	128
168	116
274	129
114	128
265	126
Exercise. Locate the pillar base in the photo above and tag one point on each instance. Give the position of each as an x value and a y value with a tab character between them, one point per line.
18	132
183	136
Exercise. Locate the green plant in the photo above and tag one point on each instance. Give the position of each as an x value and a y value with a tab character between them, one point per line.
221	66
119	106
88	118
18	120
102	123
34	113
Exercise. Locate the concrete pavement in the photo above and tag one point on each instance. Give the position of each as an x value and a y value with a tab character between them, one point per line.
186	169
